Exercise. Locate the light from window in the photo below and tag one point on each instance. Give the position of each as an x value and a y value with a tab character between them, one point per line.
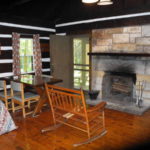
81	63
26	55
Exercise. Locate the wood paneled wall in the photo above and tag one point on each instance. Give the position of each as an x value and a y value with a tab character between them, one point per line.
6	46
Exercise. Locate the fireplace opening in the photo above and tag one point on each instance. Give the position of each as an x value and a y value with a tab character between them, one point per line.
124	74
118	86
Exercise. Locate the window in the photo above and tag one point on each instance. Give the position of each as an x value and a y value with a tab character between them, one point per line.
26	55
81	62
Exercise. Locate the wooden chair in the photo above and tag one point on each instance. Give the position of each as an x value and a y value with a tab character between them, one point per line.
20	97
69	108
5	94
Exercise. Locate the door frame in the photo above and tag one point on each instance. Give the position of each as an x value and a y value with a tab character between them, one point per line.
90	59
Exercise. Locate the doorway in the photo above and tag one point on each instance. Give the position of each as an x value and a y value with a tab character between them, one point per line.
81	62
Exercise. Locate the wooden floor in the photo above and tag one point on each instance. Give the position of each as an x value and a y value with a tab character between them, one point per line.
125	131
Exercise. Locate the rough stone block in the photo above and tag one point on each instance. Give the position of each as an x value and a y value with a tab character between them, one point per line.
98	83
147	68
146	94
113	30
98	73
104	42
133	29
120	38
100	34
139	48
140	77
146	49
95	48
147	83
97	78
146	30
105	36
124	47
143	41
94	42
101	48
97	33
133	37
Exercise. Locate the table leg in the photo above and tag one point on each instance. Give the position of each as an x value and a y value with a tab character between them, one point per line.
43	99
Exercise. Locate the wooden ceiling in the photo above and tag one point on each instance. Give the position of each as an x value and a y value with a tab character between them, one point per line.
47	13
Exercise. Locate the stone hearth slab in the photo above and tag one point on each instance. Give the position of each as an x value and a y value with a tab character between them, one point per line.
132	109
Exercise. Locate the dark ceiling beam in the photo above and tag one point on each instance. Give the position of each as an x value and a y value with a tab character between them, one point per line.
11	5
6	11
26	21
57	11
20	2
17	3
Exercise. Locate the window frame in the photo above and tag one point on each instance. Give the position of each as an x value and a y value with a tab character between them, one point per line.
82	65
22	56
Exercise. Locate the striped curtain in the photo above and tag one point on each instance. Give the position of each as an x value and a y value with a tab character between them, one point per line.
16	56
37	55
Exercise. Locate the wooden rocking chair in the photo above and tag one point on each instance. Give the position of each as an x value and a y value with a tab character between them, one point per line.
68	107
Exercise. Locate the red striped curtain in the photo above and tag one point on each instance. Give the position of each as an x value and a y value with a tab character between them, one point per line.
16	56
37	55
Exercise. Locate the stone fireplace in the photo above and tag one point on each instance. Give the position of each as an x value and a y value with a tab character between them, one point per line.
117	76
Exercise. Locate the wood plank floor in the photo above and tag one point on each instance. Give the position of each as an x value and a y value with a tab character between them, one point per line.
125	131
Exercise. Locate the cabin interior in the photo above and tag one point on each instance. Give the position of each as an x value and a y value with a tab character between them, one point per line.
98	50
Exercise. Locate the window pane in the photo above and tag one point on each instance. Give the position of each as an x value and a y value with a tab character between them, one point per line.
81	62
77	46
26	47
81	79
28	64
26	55
81	48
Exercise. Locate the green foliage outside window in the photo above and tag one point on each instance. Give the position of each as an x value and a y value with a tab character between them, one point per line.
26	55
81	63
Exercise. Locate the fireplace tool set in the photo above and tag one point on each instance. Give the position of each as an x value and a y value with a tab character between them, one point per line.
139	95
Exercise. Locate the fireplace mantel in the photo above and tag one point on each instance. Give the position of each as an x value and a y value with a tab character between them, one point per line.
119	54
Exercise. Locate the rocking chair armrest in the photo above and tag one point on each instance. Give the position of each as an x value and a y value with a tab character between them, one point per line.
99	106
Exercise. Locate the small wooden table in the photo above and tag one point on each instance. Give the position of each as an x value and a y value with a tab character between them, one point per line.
37	82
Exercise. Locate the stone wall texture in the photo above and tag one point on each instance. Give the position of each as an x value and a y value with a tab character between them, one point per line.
133	39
